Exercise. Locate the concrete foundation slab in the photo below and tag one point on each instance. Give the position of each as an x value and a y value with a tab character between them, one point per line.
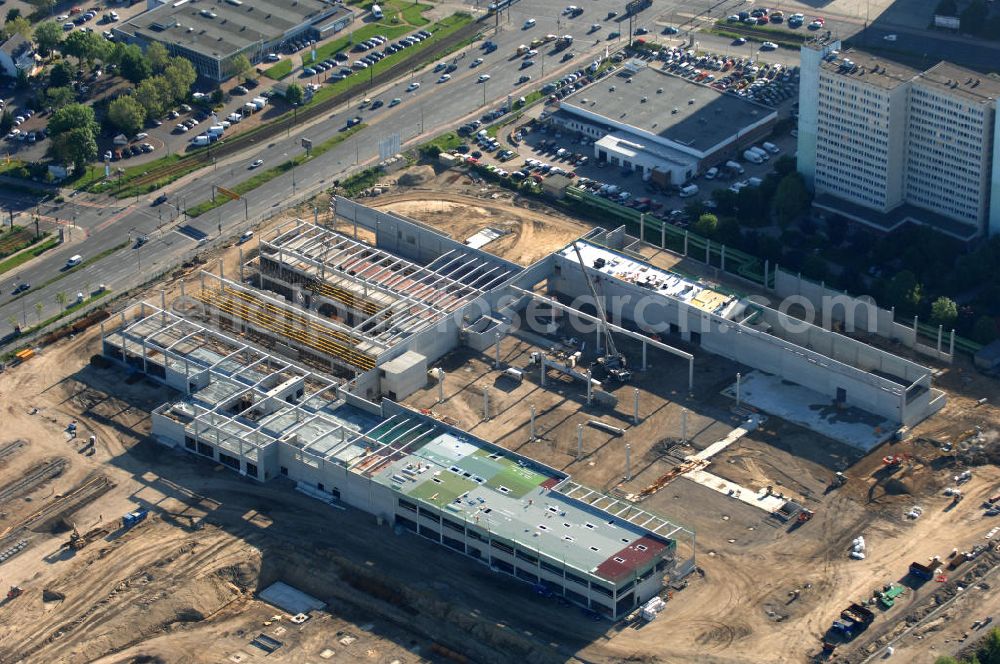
812	410
758	499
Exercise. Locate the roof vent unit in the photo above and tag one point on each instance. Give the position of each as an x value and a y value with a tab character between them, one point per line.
659	91
643	100
690	102
235	3
675	111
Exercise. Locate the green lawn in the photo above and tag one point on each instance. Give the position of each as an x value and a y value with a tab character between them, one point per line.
279	70
25	256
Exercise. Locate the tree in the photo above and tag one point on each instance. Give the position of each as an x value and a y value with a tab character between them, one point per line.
947	8
134	65
791	199
13	322
73	116
158	57
725	201
242	69
180	74
706	225
18	26
217	96
59	97
48	36
86	47
62	298
989	651
61	74
38	311
985	330
127	114
155	96
76	146
784	165
6	122
944	311
946	659
903	291
294	94
974	17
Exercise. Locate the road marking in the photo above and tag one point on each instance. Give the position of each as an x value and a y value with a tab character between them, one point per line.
112	219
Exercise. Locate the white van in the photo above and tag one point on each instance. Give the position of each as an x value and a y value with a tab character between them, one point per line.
761	153
771	147
735	167
74	261
688	191
201	140
752	157
754	182
377	12
711	173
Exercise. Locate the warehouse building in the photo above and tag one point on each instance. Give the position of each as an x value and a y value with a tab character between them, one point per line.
212	33
665	127
884	144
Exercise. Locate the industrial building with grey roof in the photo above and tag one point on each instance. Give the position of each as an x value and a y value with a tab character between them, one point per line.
211	33
649	120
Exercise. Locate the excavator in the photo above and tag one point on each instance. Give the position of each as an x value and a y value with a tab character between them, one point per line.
612	363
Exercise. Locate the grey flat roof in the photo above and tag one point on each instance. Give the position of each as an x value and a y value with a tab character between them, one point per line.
191	24
959	81
871	70
686	113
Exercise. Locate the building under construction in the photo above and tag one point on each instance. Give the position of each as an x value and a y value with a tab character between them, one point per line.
296	368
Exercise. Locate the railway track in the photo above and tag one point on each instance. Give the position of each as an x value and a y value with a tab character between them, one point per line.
41	473
11	448
276	127
93	486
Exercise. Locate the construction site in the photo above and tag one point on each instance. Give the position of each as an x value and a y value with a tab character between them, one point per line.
332	443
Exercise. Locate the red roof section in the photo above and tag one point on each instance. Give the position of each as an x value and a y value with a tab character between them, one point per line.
549	483
636	555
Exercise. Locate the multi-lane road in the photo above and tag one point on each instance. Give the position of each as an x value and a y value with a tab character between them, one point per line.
97	223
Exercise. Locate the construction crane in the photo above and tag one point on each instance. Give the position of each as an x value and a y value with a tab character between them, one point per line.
612	363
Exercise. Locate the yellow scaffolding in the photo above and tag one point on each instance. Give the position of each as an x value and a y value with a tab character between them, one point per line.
345	297
288	324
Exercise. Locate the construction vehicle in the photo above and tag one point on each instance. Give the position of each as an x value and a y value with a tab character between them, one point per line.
921	571
15	591
892	461
853	620
888	593
805	515
838	480
78	541
612	364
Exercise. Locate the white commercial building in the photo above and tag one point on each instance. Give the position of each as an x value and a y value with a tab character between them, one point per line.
883	144
665	127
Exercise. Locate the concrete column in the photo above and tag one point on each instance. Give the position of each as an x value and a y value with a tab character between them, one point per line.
628	461
902	408
685	243
182	288
767	265
644	355
642	227
187	377
663	235
691	375
486	404
951	345
590	388
122	333
440	374
163	300
723	258
684	424
532	423
635	405
222	270
202	280
579	441
598	333
144	370
708	249
496	360
940	335
541	376
241	265
916	319
738	378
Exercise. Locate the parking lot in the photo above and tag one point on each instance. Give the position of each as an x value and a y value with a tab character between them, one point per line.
533	149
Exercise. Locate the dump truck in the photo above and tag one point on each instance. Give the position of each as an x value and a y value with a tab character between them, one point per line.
921	571
853	620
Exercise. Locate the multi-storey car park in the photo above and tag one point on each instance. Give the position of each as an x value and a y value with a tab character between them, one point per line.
297	370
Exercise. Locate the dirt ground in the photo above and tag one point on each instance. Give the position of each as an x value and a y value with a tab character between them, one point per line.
181	586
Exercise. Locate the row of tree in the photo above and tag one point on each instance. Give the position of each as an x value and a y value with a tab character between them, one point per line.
988	652
169	82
